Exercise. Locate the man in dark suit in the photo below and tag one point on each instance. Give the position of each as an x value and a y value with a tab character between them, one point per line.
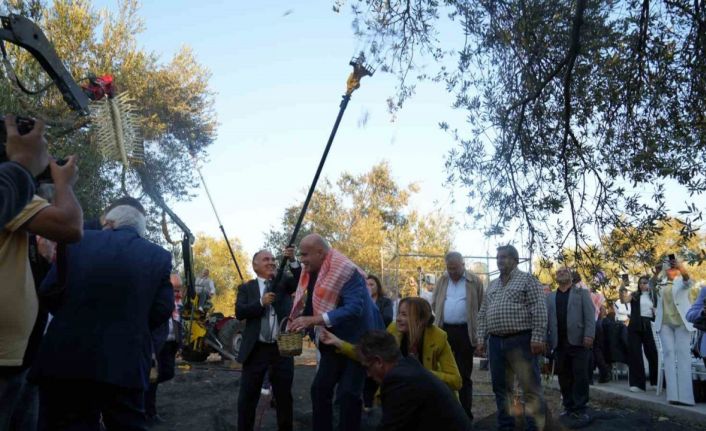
332	293
571	330
263	306
412	397
111	291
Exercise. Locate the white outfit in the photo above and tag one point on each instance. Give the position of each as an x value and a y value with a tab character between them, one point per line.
622	312
676	342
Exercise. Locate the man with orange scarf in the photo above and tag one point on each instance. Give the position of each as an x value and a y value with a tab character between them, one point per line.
332	293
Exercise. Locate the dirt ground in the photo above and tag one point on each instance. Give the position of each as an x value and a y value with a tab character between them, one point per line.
204	397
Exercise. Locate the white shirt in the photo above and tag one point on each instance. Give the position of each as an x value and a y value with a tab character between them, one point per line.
622	311
455	311
172	334
272	316
646	306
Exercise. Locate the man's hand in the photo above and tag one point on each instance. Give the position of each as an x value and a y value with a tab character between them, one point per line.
537	348
305	322
64	175
28	150
289	253
328	338
480	350
268	299
587	342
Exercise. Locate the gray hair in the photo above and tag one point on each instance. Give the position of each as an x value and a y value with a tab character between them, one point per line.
376	342
511	250
127	216
254	256
454	256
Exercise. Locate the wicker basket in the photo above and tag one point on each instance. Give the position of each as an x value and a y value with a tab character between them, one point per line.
289	343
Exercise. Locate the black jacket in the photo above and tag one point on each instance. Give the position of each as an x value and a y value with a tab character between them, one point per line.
384	304
248	308
415	399
635	323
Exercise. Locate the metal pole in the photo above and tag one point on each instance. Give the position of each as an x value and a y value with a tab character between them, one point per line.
220	225
297	226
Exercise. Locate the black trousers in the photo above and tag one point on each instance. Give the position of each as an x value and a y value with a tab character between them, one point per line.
346	377
463	354
265	357
77	405
638	339
166	363
572	364
599	353
369	390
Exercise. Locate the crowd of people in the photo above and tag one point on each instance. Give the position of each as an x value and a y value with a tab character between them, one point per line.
90	326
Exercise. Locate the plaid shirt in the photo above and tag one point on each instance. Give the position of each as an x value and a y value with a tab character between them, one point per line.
518	306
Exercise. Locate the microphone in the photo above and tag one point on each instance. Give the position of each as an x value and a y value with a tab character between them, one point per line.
269	287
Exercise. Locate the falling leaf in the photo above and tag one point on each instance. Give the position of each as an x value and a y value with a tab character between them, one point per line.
363	120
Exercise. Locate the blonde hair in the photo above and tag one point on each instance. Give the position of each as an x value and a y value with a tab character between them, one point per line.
419	317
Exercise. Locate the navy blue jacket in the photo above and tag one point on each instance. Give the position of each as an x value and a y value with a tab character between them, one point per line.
16	190
117	290
356	312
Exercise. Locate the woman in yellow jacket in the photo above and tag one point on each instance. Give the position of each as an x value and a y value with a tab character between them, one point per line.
417	337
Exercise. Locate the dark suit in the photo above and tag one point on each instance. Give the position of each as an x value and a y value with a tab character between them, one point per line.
414	399
95	357
355	314
571	357
259	357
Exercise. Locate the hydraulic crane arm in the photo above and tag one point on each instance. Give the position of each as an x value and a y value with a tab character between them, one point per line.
24	33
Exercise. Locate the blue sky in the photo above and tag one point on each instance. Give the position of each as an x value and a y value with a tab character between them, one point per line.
278	81
279	70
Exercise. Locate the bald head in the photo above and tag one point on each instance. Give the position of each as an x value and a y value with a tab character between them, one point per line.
315	240
313	249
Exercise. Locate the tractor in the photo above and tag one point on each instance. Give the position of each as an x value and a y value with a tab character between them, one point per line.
206	333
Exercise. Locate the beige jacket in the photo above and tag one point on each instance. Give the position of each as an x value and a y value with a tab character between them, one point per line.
474	298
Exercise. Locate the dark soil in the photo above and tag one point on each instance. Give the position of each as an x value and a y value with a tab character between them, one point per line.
204	397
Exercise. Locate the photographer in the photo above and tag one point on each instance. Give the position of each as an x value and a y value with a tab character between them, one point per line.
60	222
27	157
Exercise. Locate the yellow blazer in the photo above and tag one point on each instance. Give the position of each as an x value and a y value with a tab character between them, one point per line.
438	357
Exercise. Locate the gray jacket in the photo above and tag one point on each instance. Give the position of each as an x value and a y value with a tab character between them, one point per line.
580	318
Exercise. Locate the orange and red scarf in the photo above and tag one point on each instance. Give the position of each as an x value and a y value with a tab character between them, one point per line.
335	271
